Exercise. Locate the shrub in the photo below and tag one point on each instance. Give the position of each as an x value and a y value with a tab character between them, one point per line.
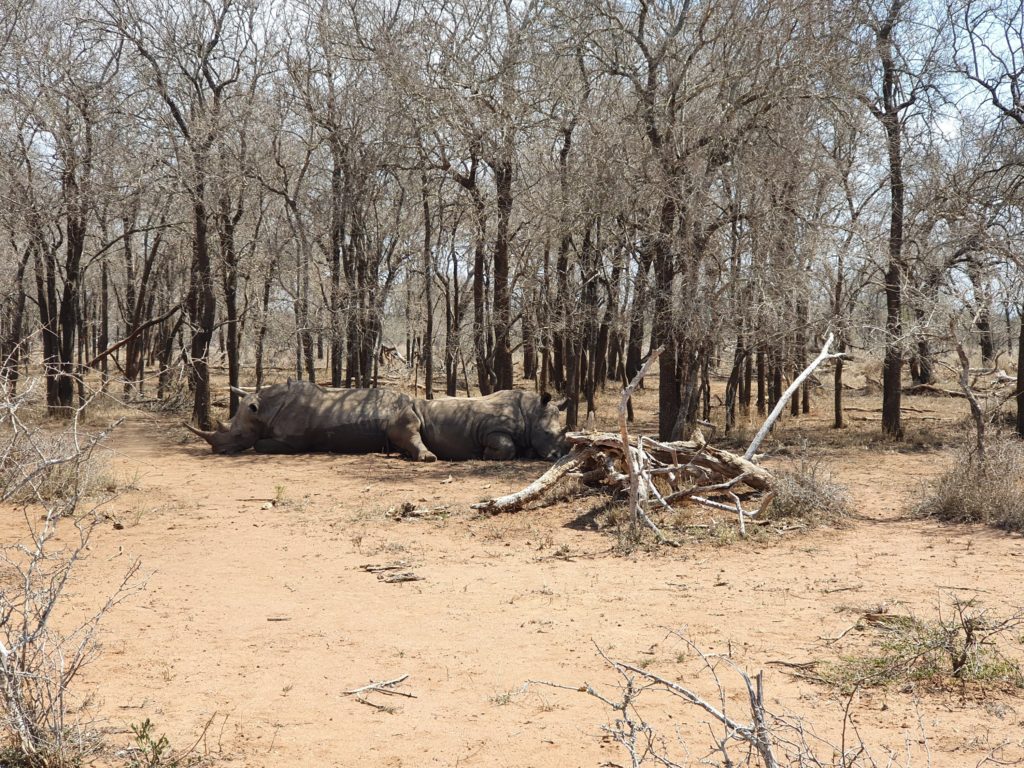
42	722
806	492
975	491
965	644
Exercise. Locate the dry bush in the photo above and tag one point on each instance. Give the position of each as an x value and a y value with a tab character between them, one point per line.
43	477
43	465
976	491
966	644
806	492
647	711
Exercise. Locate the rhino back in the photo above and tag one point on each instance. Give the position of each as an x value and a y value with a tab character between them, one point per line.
455	428
312	418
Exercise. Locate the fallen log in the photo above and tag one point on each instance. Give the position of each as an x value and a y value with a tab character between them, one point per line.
689	457
931	389
571	462
690	467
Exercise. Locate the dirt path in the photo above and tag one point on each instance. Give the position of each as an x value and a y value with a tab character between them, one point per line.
258	614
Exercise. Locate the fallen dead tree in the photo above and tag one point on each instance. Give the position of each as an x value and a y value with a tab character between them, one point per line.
652	473
668	473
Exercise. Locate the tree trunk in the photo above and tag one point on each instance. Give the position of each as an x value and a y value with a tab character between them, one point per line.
837	393
201	308
480	325
103	340
11	345
734	384
62	402
229	262
529	338
1020	377
337	238
892	367
502	310
638	315
261	333
453	329
428	297
662	329
988	347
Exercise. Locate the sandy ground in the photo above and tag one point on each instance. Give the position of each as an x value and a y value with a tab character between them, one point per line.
257	615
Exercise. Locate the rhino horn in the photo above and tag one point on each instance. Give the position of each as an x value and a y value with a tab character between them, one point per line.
207	436
240	392
221	426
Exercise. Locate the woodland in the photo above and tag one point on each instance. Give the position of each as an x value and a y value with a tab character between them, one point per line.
493	192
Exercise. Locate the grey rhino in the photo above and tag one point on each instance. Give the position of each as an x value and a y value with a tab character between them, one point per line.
300	417
500	426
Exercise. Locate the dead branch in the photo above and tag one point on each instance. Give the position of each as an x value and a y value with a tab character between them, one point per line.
399	577
384	567
384	686
779	406
134	334
965	385
571	462
697	470
633	461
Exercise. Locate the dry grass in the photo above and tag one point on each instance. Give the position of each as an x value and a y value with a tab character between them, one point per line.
975	491
45	466
806	492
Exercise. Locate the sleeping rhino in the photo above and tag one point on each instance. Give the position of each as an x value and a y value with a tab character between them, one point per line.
500	426
301	417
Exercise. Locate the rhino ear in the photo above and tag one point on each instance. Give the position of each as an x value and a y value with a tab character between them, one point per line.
253	407
545	398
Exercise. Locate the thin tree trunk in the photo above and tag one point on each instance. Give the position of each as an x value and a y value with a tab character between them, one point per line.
502	310
428	296
1020	376
201	307
761	382
892	367
837	393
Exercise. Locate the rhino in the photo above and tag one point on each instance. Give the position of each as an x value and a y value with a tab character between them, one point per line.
504	425
302	417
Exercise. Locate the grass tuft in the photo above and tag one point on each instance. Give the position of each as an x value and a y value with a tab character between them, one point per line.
806	492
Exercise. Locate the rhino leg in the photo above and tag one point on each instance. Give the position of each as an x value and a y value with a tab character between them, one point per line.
404	434
270	445
498	446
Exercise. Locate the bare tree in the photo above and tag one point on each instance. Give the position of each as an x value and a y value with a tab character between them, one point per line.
902	72
194	57
988	51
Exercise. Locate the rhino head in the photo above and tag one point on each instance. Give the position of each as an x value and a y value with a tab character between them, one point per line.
241	433
547	430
